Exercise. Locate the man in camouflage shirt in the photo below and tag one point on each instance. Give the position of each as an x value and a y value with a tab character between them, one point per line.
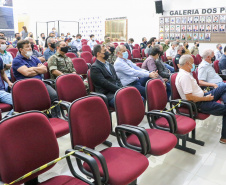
59	63
111	49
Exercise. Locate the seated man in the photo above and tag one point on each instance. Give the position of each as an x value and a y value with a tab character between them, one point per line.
166	45
92	42
103	75
172	51
129	73
59	63
222	62
186	45
129	45
195	48
26	66
111	49
8	44
71	48
206	73
150	45
77	42
218	52
206	102
18	38
51	50
143	45
180	52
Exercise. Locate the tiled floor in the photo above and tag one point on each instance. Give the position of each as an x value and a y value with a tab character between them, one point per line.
206	167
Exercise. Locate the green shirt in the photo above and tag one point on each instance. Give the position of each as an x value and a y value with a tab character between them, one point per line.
61	63
165	47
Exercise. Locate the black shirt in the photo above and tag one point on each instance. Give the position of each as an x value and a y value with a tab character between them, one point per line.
177	58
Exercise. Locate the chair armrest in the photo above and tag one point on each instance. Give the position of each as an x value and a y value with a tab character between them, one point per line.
193	112
222	76
49	82
99	157
169	117
89	65
140	132
101	96
90	161
63	105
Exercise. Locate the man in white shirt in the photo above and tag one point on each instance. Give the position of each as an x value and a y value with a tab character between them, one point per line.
218	52
92	42
206	102
172	51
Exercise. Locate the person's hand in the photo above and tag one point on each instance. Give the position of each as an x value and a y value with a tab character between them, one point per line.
153	74
10	84
215	86
209	97
164	84
165	79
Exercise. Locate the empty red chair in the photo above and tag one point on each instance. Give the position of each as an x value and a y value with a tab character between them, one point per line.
116	44
32	143
198	59
157	100
122	43
143	54
71	55
130	110
176	69
129	55
86	48
13	50
31	94
90	125
136	55
139	64
80	66
87	56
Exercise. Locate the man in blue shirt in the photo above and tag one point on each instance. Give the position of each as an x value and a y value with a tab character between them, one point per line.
129	73
18	37
77	42
51	50
222	62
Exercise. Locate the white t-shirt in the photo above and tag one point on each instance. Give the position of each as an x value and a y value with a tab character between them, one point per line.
186	84
171	52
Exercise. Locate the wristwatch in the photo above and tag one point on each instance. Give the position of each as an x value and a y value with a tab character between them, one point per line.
4	66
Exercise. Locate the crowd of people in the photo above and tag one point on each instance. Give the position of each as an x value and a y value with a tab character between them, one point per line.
112	69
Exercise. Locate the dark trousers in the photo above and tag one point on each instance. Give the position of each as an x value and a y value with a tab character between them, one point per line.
214	108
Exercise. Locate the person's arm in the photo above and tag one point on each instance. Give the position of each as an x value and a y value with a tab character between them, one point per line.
42	59
203	83
151	65
192	50
202	76
56	72
191	97
7	66
161	70
24	70
41	69
168	54
6	79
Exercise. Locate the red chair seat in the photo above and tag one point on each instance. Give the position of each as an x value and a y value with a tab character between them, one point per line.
161	141
124	166
5	107
65	180
200	116
60	126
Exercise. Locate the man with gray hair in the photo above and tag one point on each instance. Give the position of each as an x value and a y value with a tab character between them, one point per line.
51	50
172	51
218	52
206	102
206	73
180	52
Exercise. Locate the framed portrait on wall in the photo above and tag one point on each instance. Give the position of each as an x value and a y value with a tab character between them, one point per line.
202	19
207	36
166	28
172	20
195	36
189	20
172	36
201	27
222	18
172	28
183	28
183	20
178	20
161	20
167	36
201	36
189	28
177	28
222	28
195	28
167	21
161	36
161	29
209	19
183	36
189	36
177	36
216	19
196	19
208	28
215	27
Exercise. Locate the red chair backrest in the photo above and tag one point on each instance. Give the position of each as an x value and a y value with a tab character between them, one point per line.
94	59
87	56
101	42
13	79
198	59
156	95
80	66
129	106
71	55
30	94
36	47
195	61
143	54
12	50
175	65
97	41
136	46
86	48
165	58
84	43
122	43
70	87
216	66
194	74
47	75
89	120
139	64
129	57
174	92
13	55
116	44
91	86
83	40
136	53
28	142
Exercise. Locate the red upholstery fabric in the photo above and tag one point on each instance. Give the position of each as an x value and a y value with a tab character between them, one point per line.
136	53
200	116
89	122
70	87
5	107
161	141
47	75
129	57
156	95
116	44
143	54
195	61
122	43
87	56
124	165
63	180
84	43
71	55
216	66
28	142
59	126
175	65
30	94
195	76
165	57
94	59
36	47
83	40
86	48
101	42
80	66
136	46
91	86
174	92
13	79
184	124
12	50
198	58
139	64
129	106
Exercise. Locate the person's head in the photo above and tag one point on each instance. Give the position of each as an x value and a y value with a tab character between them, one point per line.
215	27
215	18
31	41
68	41
107	39
30	34
178	42
51	42
186	62
2	34
61	47
62	34
155	52
130	41
167	42
110	47
152	41
196	27
78	37
219	47
144	39
100	51
68	33
24	48
92	37
25	28
51	34
3	45
180	50
208	27
186	45
54	29
222	26
121	52
208	55
17	36
174	44
196	43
